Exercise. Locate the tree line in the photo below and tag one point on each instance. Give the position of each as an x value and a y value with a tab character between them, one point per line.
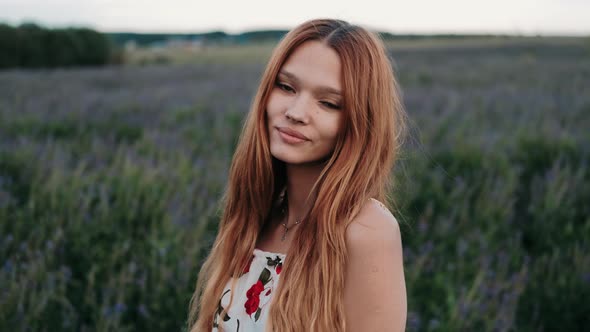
32	46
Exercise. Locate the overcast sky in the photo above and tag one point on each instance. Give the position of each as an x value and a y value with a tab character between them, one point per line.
527	17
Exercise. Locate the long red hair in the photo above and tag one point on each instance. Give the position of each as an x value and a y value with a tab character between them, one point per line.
360	167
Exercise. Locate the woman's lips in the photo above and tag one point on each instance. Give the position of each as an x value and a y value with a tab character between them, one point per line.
289	138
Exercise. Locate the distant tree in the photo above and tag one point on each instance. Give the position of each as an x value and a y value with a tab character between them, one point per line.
63	47
261	35
95	47
32	46
31	38
214	35
10	46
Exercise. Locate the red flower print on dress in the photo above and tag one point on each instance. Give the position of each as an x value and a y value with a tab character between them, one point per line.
253	294
279	268
251	305
255	289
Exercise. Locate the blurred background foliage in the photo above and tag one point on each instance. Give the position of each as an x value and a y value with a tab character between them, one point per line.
110	179
32	46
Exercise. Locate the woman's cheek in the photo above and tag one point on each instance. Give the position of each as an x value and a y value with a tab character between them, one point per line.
331	126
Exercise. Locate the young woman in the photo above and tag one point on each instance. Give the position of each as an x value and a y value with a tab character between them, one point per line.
303	200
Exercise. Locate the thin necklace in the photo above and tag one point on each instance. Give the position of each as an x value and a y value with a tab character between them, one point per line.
285	225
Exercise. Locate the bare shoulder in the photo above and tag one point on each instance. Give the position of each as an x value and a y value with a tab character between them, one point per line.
374	294
373	220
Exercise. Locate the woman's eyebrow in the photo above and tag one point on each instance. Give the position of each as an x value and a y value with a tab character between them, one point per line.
325	89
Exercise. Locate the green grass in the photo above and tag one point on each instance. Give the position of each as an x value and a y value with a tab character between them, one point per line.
110	181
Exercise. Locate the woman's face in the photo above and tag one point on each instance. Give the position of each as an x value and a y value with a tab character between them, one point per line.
306	98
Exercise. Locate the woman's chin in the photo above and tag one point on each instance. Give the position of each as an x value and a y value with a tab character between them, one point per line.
288	158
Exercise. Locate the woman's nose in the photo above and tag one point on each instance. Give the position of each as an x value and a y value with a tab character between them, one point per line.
299	110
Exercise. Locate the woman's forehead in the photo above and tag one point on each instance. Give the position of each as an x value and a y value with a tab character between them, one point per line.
314	64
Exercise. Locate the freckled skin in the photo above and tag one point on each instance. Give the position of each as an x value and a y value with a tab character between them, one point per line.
299	105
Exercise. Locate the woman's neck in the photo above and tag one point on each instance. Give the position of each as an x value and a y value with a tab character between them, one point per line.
300	180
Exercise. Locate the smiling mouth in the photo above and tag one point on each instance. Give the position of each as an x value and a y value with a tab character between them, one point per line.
289	139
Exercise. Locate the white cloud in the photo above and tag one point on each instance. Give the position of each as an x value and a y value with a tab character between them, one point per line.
524	16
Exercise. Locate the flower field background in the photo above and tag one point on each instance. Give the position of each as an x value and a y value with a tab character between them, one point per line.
110	180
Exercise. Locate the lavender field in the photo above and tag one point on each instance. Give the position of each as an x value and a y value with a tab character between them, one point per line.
110	180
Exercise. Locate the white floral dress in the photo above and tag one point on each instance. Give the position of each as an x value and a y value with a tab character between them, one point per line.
253	293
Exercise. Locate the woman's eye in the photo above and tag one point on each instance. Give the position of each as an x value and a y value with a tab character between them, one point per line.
284	87
330	105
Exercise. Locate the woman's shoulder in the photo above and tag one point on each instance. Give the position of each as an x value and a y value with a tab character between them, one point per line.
375	215
372	225
374	292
